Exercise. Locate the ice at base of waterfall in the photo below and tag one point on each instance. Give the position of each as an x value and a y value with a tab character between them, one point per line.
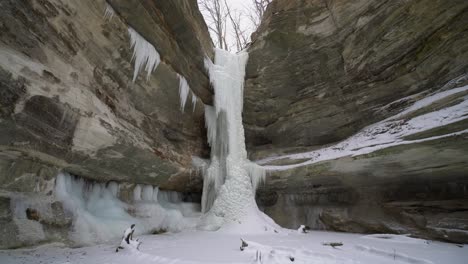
196	247
99	216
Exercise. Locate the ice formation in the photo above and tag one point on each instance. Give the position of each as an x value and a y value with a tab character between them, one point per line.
137	193
109	13
230	181
184	93
194	101
144	54
147	193
184	90
98	215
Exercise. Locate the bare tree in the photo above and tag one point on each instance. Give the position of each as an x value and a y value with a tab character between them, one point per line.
216	16
225	22
257	11
240	34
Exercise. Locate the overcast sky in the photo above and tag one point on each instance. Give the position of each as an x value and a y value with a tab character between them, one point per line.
244	6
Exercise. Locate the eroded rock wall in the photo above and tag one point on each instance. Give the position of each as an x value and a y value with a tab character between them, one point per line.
319	70
318	73
68	99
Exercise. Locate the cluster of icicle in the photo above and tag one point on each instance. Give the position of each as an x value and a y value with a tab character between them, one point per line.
230	180
99	215
144	54
184	92
109	12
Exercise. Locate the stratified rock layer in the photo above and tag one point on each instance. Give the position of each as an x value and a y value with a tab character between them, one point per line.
67	97
319	72
67	102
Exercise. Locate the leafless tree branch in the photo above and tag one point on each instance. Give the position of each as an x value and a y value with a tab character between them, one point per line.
222	19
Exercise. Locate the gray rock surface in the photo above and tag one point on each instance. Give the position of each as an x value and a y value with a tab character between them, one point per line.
67	99
320	71
419	188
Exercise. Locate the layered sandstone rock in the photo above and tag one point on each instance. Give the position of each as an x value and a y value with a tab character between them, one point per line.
319	72
68	100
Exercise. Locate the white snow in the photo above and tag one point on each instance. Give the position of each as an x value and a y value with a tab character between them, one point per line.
431	99
387	133
144	54
198	247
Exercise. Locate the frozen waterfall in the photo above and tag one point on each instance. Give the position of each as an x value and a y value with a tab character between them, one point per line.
230	181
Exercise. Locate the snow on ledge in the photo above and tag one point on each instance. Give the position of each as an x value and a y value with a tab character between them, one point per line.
387	133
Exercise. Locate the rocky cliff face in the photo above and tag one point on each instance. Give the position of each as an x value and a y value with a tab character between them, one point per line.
323	72
67	100
319	70
67	96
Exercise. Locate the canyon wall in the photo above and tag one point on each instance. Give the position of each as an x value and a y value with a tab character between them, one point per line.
325	72
68	102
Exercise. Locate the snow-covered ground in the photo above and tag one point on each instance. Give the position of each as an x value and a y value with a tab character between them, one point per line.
387	133
215	247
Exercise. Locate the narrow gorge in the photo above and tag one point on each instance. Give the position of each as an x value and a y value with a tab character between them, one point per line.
338	116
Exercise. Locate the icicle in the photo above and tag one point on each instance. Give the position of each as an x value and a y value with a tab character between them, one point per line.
169	197
208	65
210	123
147	193
144	54
113	188
98	216
194	101
155	193
257	174
183	91
137	193
109	13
